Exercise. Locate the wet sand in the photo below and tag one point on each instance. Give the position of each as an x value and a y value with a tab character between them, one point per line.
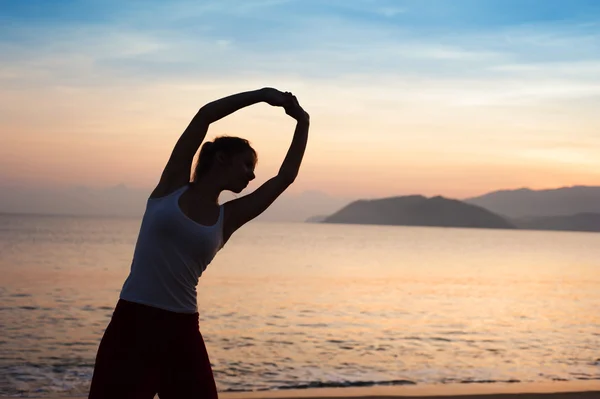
551	390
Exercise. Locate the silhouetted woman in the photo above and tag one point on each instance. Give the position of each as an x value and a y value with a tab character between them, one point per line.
153	342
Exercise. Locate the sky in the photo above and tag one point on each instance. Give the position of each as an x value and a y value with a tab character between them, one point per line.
434	97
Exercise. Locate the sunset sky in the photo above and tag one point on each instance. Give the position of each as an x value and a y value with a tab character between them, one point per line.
426	97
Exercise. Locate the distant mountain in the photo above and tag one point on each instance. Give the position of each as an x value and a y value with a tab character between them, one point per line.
291	207
79	200
578	222
126	201
316	219
535	203
417	210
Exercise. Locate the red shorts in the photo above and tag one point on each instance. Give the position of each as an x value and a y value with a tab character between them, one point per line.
145	351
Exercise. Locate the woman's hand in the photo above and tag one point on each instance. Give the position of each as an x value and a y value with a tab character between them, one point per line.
292	108
273	97
286	100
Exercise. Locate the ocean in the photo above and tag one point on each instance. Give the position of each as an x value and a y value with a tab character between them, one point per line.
315	305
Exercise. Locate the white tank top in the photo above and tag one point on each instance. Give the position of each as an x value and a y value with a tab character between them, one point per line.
170	255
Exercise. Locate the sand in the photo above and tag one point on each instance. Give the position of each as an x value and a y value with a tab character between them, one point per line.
551	390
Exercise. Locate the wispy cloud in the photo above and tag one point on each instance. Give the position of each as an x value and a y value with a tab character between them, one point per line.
275	40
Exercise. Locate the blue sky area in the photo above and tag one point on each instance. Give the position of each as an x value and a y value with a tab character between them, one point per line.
312	38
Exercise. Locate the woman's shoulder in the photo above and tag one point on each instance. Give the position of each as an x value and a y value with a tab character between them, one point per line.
161	193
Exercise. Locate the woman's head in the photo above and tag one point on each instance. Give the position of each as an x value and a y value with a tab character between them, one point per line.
232	158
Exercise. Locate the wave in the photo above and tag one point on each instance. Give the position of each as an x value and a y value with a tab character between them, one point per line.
356	384
330	384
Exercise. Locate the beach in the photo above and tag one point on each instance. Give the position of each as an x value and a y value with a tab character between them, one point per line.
550	390
571	389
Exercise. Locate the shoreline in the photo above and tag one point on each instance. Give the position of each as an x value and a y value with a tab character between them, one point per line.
497	390
589	389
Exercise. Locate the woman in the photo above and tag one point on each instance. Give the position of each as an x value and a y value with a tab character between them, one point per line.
153	343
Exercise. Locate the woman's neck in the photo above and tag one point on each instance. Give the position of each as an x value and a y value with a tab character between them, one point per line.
206	188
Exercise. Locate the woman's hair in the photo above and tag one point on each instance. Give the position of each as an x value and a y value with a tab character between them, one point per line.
227	145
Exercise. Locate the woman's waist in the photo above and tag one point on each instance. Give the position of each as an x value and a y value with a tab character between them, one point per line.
155	311
175	296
